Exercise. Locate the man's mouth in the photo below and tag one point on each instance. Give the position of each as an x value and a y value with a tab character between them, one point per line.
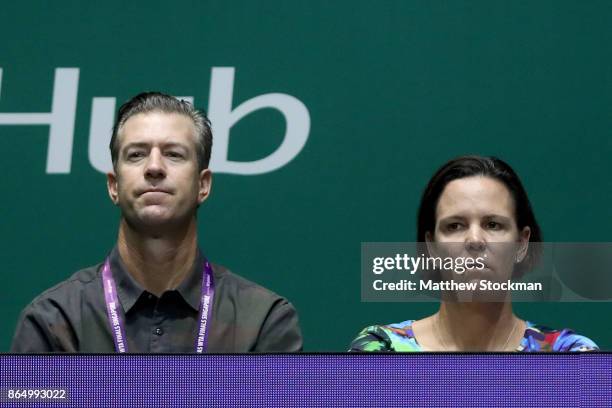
155	191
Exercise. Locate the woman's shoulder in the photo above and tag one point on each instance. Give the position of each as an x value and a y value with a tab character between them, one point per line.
542	338
396	337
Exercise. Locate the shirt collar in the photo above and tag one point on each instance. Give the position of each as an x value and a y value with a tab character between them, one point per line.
129	291
191	287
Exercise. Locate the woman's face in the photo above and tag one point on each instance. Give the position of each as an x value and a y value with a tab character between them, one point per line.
475	218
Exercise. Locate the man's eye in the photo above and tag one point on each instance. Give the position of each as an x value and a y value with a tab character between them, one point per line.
174	155
135	155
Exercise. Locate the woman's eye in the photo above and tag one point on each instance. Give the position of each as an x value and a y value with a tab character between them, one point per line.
454	226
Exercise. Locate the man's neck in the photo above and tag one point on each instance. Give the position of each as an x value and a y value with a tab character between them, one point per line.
158	262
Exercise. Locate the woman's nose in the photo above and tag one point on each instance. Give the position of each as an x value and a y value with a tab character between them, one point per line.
474	239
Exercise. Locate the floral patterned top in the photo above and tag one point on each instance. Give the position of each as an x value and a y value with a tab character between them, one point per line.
399	337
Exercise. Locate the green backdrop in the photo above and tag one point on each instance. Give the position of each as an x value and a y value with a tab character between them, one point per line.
393	89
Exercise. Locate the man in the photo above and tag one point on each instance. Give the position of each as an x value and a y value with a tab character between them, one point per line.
156	292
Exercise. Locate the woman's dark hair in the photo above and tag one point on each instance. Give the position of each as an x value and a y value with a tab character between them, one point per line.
468	166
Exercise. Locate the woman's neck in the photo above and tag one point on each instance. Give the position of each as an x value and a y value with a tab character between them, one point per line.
473	326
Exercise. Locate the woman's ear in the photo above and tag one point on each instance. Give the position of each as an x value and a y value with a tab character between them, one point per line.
430	244
523	246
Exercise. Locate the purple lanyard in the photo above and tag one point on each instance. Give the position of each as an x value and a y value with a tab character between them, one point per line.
115	318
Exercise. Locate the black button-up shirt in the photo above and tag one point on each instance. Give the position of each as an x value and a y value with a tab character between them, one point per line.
72	317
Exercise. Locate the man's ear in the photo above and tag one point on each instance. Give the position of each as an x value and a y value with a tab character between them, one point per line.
205	185
111	186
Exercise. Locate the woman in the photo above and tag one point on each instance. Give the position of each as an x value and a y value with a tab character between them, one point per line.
478	202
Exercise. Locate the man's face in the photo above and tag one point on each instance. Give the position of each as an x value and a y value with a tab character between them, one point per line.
157	183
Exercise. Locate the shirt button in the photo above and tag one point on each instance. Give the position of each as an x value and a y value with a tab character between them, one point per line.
158	331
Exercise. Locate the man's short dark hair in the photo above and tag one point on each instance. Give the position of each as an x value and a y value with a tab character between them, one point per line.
147	102
467	166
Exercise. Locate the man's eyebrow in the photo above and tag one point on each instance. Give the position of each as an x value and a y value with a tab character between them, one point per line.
164	145
135	144
175	144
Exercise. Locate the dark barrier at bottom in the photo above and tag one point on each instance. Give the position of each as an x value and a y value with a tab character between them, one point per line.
307	380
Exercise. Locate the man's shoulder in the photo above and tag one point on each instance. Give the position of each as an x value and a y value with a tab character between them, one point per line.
234	284
256	318
52	320
70	289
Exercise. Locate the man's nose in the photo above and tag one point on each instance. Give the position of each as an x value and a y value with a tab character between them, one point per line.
155	167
